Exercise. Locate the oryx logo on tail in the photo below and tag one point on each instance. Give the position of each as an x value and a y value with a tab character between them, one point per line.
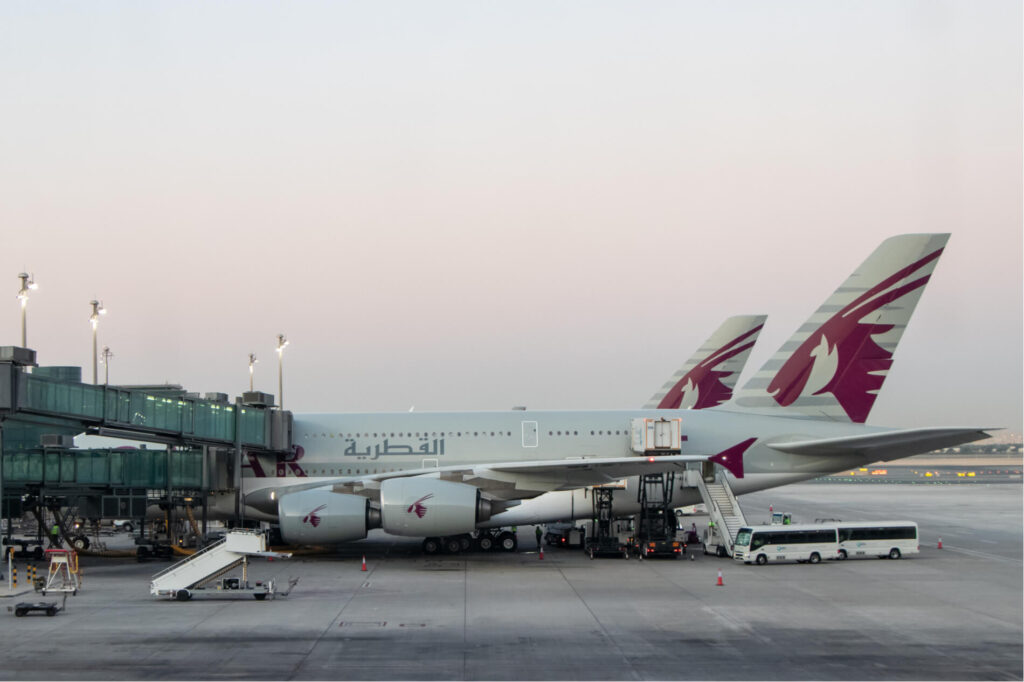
418	508
842	356
703	385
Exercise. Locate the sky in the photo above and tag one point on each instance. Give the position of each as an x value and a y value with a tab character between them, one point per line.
471	206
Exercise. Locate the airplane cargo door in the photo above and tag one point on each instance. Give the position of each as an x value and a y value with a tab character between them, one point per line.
529	434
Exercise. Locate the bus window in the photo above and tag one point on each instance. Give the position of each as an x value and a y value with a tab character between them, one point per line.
743	538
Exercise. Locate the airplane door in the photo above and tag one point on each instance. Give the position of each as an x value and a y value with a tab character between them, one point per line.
530	437
708	471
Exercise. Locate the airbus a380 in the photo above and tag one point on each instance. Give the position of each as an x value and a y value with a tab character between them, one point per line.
801	416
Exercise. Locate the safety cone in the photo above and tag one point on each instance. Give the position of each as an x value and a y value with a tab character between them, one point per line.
720	583
364	563
940	543
542	553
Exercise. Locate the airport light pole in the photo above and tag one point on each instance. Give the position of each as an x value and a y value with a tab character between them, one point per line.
97	310
28	283
281	343
252	369
106	364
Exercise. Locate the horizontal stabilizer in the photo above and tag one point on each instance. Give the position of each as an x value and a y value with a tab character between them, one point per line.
885	445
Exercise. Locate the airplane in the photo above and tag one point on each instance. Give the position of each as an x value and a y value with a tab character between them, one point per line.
707	379
801	416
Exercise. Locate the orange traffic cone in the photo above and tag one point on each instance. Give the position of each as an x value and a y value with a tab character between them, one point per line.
720	583
940	543
364	563
542	554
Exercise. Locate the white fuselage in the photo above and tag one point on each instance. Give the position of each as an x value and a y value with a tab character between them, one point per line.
335	447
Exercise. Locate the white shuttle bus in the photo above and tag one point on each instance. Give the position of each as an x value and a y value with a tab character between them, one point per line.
881	539
800	543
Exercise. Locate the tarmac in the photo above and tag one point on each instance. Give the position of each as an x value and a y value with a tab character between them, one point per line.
950	613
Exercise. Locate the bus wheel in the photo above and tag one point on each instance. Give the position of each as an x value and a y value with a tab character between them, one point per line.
761	559
815	558
842	555
894	553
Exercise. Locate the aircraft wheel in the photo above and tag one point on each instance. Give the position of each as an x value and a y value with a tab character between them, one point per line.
465	542
507	542
761	560
431	546
485	542
452	545
894	553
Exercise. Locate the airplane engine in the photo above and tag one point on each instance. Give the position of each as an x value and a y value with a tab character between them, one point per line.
324	517
425	507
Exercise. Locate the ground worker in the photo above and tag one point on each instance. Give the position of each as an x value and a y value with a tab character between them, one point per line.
538	532
55	535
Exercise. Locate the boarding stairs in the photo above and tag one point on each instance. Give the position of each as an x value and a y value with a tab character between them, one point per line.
723	509
212	562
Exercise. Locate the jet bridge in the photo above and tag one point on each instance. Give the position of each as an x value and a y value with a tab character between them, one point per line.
42	409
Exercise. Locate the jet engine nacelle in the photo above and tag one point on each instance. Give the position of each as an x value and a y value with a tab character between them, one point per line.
323	517
425	507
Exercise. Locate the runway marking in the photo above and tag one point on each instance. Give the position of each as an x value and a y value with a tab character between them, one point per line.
982	555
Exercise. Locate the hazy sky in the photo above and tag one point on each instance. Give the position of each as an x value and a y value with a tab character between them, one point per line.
475	205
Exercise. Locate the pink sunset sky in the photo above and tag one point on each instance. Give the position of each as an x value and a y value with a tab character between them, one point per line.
465	205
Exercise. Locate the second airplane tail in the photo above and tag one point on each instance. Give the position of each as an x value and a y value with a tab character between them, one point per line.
709	376
835	364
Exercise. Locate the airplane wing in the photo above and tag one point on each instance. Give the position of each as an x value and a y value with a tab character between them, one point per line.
885	445
507	480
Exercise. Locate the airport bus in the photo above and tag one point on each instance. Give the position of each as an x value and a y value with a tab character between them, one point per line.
800	543
881	539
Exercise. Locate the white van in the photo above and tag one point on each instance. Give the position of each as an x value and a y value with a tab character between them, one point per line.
893	539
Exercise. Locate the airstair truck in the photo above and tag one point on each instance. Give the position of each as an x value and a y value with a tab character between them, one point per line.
205	569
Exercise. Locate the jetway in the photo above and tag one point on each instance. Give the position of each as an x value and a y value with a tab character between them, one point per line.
207	438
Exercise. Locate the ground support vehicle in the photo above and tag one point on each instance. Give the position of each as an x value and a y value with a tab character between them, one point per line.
882	539
204	571
26	548
565	535
49	608
227	587
800	543
656	522
604	541
713	542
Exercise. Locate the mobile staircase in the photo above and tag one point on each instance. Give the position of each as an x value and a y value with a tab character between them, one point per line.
204	567
723	510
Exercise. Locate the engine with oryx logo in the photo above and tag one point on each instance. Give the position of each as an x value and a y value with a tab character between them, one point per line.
414	507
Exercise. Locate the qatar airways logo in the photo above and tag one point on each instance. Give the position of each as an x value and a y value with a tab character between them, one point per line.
702	386
418	508
311	518
841	357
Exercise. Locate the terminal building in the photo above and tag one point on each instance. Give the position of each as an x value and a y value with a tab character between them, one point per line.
42	409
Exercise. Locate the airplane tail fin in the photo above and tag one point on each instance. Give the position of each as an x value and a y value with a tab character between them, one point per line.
835	364
708	378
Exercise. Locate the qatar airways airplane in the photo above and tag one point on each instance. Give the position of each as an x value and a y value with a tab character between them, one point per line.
441	474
